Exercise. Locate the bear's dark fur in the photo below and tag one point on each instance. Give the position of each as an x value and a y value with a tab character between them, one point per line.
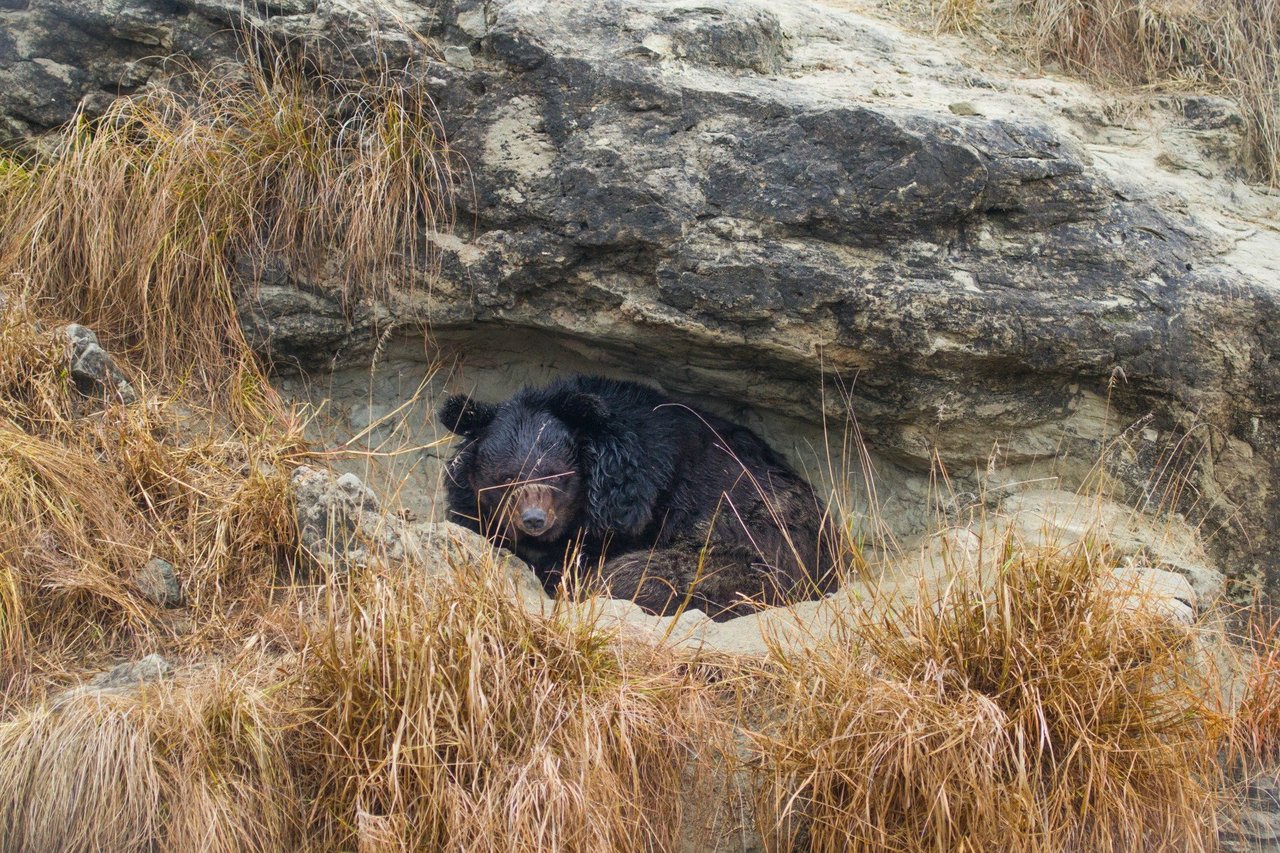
664	504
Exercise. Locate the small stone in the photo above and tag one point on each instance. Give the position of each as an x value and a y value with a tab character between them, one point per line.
964	108
459	57
151	668
119	679
92	368
471	22
158	583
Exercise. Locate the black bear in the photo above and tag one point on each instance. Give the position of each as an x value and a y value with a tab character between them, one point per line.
662	503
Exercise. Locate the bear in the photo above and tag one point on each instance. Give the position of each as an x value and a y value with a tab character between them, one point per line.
609	484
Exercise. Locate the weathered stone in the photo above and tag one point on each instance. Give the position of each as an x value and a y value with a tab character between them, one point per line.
150	668
1168	543
294	328
1255	826
92	368
341	524
120	679
742	201
158	582
1162	594
459	57
472	20
446	545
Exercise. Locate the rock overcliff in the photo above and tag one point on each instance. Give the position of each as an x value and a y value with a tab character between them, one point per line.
748	202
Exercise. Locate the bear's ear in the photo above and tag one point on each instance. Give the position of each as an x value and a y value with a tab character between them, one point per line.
463	416
583	412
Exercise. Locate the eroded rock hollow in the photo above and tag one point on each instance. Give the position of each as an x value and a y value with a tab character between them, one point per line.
790	212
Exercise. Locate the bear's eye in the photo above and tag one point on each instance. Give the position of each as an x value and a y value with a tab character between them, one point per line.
556	481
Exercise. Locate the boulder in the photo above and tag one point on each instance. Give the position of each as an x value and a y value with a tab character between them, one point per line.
1164	595
341	524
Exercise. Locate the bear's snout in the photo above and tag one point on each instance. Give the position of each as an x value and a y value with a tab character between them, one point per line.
533	520
533	509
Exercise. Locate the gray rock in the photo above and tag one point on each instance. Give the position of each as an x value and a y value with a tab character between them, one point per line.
341	523
158	582
459	57
1162	594
150	668
446	544
294	328
120	679
1255	826
296	323
472	21
714	196
92	368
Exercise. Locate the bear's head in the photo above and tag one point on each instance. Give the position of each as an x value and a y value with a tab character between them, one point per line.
522	464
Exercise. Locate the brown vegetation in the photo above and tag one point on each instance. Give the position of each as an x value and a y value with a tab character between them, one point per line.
136	223
1021	707
1176	45
419	707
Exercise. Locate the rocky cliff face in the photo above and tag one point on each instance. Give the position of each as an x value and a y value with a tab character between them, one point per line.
754	202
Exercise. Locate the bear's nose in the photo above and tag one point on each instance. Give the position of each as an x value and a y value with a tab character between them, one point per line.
533	520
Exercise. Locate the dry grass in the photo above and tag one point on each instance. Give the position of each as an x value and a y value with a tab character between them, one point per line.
452	719
1231	48
423	713
1257	716
199	765
89	493
135	225
1022	710
136	222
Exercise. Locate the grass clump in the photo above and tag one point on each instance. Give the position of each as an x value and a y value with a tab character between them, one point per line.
1232	48
137	222
198	765
1257	716
79	518
452	719
144	225
419	713
1023	710
92	489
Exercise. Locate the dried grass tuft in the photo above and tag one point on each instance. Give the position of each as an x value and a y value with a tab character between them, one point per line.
449	718
142	223
192	766
1025	709
1231	48
1257	716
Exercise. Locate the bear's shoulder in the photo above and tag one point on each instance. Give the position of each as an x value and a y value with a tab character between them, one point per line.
616	392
